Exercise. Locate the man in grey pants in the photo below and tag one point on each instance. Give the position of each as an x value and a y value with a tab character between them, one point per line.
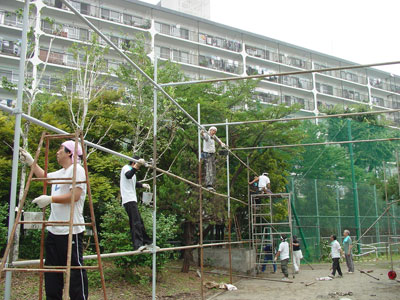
283	254
208	156
348	246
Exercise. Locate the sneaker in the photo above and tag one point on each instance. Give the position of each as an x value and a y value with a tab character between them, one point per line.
350	272
210	188
331	276
285	279
340	276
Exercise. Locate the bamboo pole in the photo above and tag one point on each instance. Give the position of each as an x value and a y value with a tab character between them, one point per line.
129	253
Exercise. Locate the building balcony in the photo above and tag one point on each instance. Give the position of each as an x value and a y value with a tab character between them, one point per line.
342	74
9	18
10	76
285	99
220	42
61	58
342	92
210	62
286	59
104	13
11	48
293	81
202	38
384	85
84	35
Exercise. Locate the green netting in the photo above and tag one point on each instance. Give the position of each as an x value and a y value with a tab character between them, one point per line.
337	188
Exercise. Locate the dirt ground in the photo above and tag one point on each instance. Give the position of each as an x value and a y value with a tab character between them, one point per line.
361	286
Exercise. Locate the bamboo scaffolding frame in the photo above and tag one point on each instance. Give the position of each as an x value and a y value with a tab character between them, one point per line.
104	149
155	169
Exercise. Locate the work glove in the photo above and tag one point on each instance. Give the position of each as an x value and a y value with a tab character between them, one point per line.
141	162
25	157
146	186
42	201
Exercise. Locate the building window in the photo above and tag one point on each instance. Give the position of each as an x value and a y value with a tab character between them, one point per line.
105	13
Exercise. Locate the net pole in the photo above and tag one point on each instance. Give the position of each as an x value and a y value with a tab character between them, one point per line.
17	135
355	192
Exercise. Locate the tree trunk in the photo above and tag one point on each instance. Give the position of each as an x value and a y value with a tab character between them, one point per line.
188	240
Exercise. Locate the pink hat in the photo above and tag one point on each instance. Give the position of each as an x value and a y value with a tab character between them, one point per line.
70	145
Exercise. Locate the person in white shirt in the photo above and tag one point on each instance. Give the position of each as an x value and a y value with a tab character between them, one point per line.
56	244
283	254
128	185
264	184
336	251
208	156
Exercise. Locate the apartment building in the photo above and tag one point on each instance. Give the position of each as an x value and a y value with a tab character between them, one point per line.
203	49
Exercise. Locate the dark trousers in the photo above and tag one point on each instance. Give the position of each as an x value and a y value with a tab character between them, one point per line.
336	266
56	255
138	233
219	232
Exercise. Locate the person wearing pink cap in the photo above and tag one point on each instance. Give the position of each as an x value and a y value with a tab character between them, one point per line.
56	244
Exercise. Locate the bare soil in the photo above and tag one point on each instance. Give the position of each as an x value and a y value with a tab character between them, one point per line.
172	284
361	286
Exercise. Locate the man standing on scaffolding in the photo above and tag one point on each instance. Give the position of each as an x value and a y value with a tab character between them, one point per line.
57	237
264	184
208	156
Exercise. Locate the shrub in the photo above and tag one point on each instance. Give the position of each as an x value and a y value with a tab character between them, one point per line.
115	235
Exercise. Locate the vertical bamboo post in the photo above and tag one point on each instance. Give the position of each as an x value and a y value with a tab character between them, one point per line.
17	135
229	202
155	107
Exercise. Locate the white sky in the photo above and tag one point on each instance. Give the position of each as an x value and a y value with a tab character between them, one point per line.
362	31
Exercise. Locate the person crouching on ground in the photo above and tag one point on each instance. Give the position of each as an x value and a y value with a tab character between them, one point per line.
283	254
336	251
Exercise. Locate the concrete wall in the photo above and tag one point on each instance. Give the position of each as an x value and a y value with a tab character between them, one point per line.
243	260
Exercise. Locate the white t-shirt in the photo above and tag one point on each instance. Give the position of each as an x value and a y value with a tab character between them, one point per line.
127	186
335	249
61	211
284	250
208	143
263	180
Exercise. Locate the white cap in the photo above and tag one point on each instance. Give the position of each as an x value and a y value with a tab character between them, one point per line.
212	128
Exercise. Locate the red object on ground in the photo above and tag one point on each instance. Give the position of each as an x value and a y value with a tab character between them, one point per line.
392	275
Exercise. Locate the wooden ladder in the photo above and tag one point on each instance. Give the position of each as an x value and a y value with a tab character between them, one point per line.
78	138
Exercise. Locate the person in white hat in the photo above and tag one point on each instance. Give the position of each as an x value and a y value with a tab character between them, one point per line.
208	156
56	243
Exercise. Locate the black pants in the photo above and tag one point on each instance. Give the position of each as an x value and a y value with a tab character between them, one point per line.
336	266
219	232
56	255
138	233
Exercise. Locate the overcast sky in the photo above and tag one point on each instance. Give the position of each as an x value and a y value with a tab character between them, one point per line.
362	31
